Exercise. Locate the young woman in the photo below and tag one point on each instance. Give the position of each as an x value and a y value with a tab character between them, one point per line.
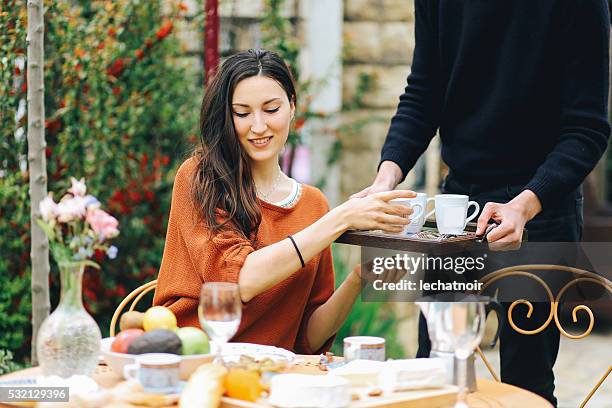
235	214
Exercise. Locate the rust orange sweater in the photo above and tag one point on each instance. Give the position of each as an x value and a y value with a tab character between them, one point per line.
278	316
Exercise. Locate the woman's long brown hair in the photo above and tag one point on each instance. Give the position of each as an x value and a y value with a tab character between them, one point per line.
223	190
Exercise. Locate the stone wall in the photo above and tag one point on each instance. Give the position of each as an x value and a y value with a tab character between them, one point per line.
379	40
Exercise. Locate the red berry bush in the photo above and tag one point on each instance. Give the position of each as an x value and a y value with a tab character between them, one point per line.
119	111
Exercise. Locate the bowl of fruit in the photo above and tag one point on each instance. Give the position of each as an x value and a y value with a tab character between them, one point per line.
155	331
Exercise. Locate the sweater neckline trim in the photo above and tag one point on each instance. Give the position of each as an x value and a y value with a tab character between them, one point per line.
280	209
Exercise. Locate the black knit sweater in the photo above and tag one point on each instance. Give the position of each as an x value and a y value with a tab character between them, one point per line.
518	90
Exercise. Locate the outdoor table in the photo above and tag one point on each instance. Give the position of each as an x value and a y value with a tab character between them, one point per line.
490	393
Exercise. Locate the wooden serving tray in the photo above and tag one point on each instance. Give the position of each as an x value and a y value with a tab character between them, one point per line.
429	240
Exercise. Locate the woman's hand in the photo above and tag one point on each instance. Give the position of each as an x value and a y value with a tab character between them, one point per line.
375	212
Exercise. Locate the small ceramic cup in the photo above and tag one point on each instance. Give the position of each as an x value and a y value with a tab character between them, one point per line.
364	348
417	207
417	222
157	372
451	213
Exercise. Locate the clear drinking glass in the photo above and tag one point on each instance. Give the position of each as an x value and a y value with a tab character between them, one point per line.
464	324
220	311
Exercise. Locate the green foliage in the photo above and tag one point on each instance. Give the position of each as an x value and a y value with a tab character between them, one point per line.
278	34
119	112
15	296
367	318
7	364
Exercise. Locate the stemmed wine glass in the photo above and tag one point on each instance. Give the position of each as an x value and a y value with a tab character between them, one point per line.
463	323
220	311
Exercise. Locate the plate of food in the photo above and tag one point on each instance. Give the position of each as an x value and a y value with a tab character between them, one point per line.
256	357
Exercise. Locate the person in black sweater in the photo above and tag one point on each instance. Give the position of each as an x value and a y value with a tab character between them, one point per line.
519	93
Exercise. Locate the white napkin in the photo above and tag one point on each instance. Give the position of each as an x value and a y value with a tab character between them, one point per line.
394	375
412	374
78	385
312	391
360	373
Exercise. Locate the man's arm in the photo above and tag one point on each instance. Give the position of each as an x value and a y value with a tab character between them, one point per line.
584	123
416	119
584	116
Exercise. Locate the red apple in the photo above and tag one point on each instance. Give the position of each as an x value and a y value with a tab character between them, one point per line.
124	338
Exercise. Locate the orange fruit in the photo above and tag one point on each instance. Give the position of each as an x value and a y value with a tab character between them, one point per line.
243	384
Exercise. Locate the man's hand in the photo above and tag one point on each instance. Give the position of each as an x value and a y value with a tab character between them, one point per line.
388	177
511	218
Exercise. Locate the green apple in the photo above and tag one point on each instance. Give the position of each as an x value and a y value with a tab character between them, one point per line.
194	340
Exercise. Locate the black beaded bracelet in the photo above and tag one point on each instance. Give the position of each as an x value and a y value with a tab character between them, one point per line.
297	250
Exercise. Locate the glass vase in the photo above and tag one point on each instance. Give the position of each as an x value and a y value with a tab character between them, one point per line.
69	338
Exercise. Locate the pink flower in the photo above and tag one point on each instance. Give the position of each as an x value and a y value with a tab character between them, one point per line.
48	208
103	224
78	187
70	208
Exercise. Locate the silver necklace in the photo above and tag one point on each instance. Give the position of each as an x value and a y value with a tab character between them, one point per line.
274	187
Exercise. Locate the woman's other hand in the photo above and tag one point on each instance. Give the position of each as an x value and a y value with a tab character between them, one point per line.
366	272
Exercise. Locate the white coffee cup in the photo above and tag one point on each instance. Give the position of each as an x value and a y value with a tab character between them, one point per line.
156	372
417	207
451	213
417	222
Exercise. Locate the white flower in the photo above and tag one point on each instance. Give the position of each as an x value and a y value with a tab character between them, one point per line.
70	209
91	202
48	208
111	252
78	187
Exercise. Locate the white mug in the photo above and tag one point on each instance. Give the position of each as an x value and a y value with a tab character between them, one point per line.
417	222
451	213
156	372
417	207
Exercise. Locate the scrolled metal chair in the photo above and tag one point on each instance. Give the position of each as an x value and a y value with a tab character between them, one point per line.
581	276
